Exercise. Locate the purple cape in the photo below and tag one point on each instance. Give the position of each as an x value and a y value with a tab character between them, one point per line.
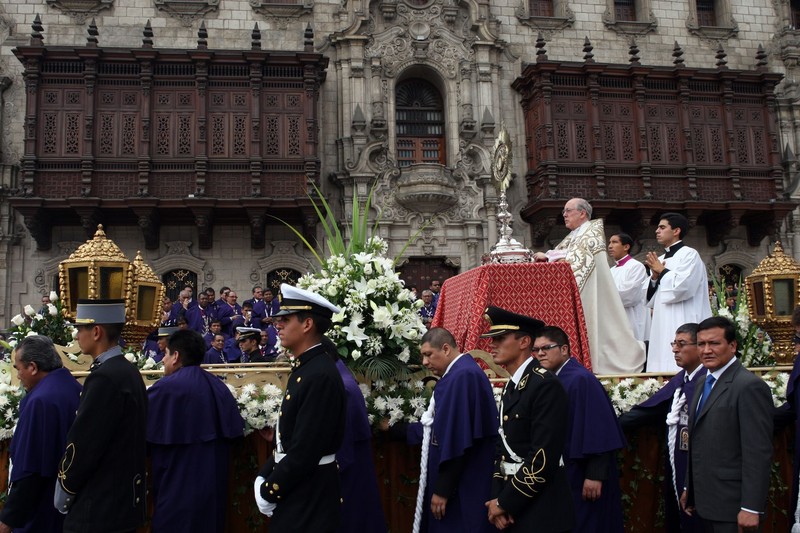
191	418
361	506
45	415
593	431
464	425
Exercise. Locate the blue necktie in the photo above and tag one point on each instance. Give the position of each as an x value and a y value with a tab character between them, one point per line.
706	392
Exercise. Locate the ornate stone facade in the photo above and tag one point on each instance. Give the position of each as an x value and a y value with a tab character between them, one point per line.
470	51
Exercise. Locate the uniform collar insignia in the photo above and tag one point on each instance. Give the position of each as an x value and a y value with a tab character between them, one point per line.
523	382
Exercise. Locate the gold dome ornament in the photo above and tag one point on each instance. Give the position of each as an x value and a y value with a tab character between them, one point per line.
99	269
144	305
773	291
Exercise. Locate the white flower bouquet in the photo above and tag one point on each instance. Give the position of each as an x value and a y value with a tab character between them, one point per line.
628	392
259	407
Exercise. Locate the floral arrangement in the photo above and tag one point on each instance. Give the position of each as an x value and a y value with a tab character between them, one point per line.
628	392
397	401
259	407
142	360
9	401
377	332
50	322
755	346
777	382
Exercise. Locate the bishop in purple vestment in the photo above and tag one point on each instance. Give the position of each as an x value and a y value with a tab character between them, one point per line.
192	419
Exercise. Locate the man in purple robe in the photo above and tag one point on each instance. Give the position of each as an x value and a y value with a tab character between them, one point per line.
593	438
228	313
671	404
45	415
361	505
460	455
191	421
216	354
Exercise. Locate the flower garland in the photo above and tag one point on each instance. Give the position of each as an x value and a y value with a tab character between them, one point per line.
259	407
396	401
377	332
626	393
9	402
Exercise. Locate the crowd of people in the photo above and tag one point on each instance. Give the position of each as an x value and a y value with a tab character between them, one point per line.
542	460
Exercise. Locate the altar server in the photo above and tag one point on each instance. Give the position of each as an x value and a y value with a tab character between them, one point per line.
677	290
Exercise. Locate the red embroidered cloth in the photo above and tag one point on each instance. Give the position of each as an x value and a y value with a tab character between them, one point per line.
546	291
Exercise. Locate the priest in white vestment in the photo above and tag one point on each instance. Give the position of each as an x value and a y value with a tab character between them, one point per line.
677	290
612	346
629	276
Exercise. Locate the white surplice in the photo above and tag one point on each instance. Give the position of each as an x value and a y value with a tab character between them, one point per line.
629	277
613	348
681	297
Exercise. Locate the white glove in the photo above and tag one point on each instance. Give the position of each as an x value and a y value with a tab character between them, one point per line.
264	506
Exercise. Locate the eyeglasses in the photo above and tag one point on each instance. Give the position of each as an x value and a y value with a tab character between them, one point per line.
538	349
569	210
681	344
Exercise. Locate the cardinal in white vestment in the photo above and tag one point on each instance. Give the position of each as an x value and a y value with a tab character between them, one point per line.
613	348
677	290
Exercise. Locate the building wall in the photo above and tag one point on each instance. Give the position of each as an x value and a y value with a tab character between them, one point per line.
485	43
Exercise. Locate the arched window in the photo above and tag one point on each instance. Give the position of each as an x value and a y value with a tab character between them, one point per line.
419	122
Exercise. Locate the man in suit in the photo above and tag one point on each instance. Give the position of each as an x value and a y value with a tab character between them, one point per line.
671	403
530	491
101	478
299	485
730	438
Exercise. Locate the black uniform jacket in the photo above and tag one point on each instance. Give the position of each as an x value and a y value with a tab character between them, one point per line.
104	463
311	426
534	418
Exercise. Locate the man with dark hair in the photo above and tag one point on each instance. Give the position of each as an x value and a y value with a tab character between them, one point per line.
458	435
629	275
671	404
248	345
45	415
216	354
205	312
730	438
530	489
189	447
230	313
214	329
593	438
302	474
676	290
101	480
436	289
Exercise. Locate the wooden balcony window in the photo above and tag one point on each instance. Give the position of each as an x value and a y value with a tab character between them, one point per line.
412	150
